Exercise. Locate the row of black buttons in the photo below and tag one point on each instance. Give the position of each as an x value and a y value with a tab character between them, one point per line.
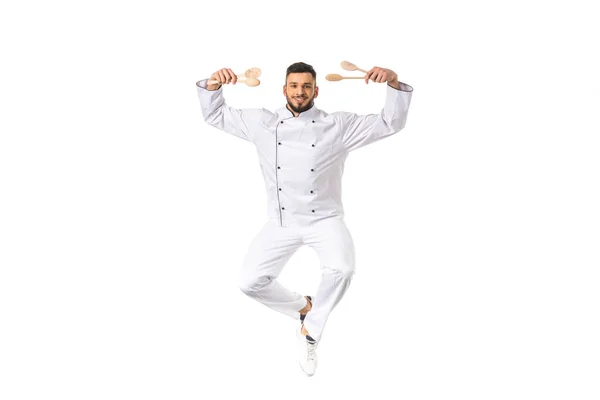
283	208
279	143
312	169
310	191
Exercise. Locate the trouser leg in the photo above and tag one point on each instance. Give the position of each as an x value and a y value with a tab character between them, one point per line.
334	246
267	254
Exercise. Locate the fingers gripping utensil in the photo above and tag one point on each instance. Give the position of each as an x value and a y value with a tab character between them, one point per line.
251	75
248	81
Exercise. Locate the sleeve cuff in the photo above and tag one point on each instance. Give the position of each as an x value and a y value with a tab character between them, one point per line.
403	87
204	83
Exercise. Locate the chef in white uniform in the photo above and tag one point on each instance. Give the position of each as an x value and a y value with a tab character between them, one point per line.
302	151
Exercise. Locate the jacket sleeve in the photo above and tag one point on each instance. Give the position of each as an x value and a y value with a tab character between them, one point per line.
237	122
360	130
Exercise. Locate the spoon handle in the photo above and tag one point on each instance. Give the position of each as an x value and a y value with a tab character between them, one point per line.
216	82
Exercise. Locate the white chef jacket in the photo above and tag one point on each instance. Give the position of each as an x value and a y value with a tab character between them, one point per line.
302	158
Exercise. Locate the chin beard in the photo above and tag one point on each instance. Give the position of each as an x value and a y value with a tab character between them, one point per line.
300	109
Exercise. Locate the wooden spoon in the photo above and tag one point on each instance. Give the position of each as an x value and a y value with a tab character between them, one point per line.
336	77
248	81
348	66
252	73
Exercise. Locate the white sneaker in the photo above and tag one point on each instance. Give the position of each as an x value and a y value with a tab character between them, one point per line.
307	353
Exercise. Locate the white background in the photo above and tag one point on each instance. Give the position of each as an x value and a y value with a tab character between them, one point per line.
124	217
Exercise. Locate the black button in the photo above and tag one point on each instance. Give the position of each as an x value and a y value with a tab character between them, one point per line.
310	191
283	208
280	189
278	167
313	210
282	122
313	145
312	169
313	122
279	143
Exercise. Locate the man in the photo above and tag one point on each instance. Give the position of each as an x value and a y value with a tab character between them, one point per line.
302	151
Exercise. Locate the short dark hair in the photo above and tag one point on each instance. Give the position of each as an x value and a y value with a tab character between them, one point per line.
300	67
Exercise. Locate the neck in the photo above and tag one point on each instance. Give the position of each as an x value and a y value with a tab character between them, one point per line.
297	113
292	111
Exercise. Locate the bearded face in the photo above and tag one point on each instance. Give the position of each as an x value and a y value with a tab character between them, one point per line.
300	91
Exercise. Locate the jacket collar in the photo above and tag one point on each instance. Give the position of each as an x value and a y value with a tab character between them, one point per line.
284	113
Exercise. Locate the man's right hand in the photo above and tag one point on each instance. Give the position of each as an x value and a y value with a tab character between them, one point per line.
224	76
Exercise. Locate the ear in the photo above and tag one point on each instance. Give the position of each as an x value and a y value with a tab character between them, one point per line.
316	91
285	90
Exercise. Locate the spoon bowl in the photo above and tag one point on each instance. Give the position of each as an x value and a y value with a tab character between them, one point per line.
252	82
252	73
348	66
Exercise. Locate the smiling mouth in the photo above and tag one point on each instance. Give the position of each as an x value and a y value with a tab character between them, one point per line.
300	99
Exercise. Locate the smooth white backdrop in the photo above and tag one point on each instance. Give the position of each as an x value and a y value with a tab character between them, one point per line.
124	217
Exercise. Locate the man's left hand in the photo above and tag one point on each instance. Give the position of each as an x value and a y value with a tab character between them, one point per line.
380	75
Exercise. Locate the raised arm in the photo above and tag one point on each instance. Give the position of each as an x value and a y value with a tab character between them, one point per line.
217	113
360	130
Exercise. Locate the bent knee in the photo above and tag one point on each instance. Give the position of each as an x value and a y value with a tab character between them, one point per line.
247	286
251	285
344	271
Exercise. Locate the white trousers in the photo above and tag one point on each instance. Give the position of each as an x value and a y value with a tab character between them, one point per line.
271	249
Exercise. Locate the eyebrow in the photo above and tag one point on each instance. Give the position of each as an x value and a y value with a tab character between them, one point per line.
295	83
